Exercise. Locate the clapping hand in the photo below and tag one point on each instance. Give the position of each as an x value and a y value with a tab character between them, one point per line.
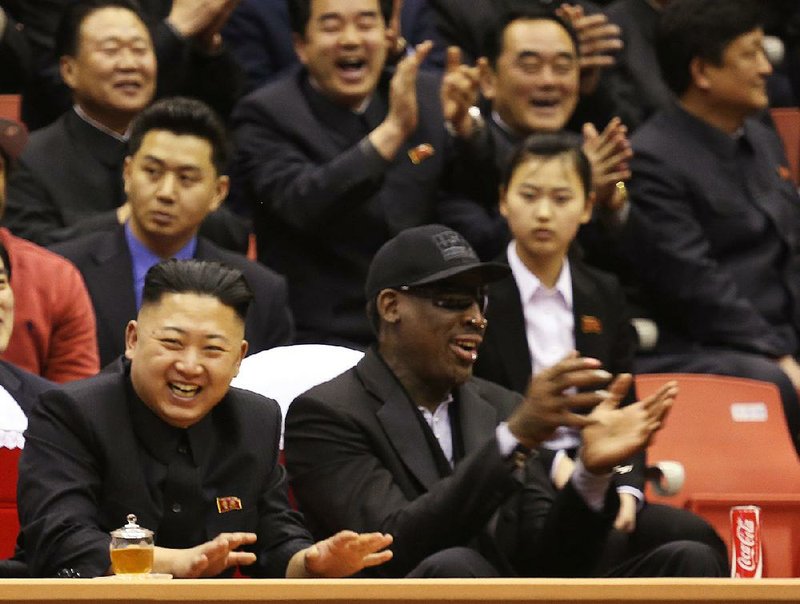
613	433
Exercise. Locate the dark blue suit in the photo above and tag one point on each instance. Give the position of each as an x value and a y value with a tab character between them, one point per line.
105	263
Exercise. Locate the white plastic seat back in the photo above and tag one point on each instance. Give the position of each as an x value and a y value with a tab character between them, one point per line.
283	373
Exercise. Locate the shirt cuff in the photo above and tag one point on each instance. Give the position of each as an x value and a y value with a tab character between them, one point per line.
591	487
635	492
560	454
506	441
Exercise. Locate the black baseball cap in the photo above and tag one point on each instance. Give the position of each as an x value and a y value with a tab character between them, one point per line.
429	254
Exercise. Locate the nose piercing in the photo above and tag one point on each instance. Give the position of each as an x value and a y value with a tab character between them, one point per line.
480	324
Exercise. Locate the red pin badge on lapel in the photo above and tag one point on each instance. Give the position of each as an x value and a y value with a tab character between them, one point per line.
784	172
420	153
228	504
590	324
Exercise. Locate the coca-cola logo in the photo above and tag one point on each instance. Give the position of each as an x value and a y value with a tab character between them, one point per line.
746	536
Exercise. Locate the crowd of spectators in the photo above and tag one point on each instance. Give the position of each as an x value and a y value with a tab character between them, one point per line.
291	140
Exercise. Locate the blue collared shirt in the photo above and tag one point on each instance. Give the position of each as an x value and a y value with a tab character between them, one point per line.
144	259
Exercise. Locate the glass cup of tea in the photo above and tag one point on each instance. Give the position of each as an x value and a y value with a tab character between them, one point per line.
131	549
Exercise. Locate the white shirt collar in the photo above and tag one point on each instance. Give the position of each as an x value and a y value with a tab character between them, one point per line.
529	284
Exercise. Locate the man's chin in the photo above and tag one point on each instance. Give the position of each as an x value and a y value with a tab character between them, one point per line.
352	95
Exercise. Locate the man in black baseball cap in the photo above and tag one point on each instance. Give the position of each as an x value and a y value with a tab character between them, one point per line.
409	442
429	254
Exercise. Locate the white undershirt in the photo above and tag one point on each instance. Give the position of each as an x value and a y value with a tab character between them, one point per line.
439	421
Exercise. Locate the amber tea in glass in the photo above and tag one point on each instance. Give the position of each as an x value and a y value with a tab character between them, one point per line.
131	549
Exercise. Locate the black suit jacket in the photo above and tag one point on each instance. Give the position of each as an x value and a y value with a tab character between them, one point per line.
182	68
23	386
69	183
324	200
15	57
602	331
602	327
87	465
105	263
636	82
719	264
67	172
358	457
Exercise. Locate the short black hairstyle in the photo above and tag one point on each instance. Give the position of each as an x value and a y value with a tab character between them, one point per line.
73	15
181	115
6	260
703	29
202	277
548	145
300	14
516	11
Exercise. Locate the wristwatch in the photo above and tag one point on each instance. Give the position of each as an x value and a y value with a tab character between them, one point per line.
518	456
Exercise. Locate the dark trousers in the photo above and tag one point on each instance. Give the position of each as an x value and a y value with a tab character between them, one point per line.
667	542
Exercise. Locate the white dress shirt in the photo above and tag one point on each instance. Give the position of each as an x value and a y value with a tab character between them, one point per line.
549	327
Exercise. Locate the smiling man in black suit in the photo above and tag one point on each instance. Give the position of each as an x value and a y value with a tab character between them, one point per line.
173	179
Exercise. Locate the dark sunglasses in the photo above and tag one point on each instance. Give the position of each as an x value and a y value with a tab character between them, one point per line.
457	299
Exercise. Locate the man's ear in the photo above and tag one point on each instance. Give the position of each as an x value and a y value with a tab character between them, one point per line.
299	43
502	203
698	68
488	82
242	353
126	173
393	26
589	207
131	338
68	68
386	305
221	188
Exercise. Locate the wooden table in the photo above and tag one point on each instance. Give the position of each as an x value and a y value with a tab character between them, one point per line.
368	591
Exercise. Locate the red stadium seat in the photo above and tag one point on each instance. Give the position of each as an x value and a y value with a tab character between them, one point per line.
787	121
10	106
9	523
731	437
